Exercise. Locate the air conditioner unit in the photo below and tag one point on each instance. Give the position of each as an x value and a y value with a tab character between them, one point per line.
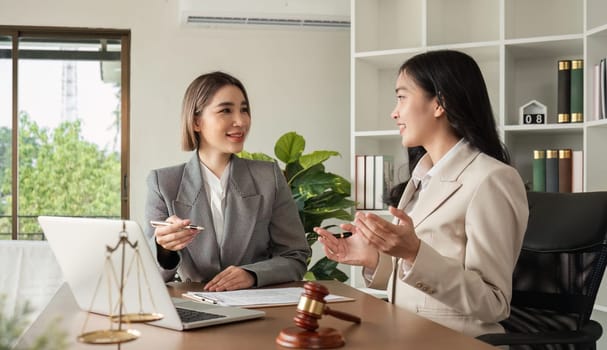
268	13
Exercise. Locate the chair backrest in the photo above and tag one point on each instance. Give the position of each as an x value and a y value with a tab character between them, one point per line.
564	254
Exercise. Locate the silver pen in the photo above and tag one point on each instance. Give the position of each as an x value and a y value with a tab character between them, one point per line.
164	223
208	300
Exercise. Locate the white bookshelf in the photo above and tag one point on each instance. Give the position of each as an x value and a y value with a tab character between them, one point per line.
516	43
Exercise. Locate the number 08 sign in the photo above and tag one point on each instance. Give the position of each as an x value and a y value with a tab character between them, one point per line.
533	112
534	118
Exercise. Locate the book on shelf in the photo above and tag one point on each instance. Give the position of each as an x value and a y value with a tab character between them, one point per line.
599	90
602	87
539	171
563	106
384	179
577	91
557	170
374	178
369	182
359	181
552	170
577	171
596	92
564	170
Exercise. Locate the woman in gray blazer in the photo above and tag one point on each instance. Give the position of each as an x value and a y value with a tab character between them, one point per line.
450	251
252	233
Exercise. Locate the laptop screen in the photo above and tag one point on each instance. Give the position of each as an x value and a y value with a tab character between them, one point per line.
95	254
93	258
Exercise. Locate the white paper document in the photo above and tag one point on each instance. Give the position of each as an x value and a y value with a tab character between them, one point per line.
257	297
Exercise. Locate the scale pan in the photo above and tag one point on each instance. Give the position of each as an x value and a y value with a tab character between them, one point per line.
109	336
139	317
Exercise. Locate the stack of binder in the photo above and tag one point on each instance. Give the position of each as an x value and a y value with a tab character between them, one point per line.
558	170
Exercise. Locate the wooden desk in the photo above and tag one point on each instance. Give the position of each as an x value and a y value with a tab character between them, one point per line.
383	326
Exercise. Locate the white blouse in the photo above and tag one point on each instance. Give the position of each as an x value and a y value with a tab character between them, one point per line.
216	194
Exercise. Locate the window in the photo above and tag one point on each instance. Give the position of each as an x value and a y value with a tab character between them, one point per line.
63	125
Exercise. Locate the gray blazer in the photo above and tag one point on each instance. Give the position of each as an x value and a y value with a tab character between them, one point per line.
262	233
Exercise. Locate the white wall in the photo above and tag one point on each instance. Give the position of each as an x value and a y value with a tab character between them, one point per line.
296	79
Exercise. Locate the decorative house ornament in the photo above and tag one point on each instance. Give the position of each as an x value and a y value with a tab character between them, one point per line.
533	112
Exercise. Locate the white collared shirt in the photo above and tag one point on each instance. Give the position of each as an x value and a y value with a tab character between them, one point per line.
216	193
424	170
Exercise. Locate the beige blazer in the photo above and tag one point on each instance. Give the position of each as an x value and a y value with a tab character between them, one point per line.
471	219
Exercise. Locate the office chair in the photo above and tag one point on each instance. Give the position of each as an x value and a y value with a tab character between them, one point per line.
558	273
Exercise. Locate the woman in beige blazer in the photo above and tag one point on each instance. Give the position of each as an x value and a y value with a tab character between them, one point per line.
252	232
458	229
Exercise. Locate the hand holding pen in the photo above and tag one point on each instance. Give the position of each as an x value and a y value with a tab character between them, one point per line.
175	234
164	223
353	250
344	234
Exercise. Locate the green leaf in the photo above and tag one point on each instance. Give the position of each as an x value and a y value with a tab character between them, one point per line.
326	269
291	170
311	237
255	156
310	221
329	201
316	157
339	275
309	276
319	215
289	147
296	171
310	185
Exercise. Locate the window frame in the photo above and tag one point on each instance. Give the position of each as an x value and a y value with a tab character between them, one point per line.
124	35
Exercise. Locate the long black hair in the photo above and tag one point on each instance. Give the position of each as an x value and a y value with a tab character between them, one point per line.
457	82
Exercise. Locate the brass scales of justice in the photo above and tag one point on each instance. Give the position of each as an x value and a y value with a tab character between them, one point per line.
118	316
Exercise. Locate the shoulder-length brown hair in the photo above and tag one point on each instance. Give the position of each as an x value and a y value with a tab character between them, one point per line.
196	98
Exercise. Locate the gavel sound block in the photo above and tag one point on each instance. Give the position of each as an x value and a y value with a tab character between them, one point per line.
307	334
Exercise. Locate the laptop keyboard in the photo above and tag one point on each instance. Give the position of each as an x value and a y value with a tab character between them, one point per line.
192	316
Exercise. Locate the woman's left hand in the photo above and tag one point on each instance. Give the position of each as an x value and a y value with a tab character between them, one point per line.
232	278
398	240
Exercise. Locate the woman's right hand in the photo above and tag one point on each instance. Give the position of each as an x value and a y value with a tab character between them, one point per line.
353	250
175	236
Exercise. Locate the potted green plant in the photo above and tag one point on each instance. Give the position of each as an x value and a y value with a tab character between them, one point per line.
319	195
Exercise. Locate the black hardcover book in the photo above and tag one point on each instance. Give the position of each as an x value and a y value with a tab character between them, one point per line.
552	170
564	92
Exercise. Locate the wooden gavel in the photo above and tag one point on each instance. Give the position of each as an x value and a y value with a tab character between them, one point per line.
307	334
312	306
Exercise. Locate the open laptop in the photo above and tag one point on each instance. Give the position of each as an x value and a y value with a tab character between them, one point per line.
80	246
